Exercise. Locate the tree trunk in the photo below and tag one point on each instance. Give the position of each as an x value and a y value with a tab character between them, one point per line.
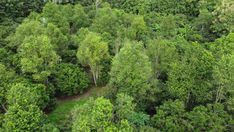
218	94
94	78
4	108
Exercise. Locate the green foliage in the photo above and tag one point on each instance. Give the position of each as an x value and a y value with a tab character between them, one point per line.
37	57
69	79
98	115
6	77
138	119
124	106
223	76
172	55
68	18
162	54
38	28
223	46
94	115
1	122
131	71
188	7
212	118
92	51
132	6
169	116
49	128
109	23
17	9
24	94
224	17
19	118
190	78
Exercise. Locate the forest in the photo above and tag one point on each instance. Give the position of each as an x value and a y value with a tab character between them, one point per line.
116	65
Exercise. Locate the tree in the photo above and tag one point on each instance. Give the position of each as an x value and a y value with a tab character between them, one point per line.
170	116
69	79
37	57
109	23
189	8
94	115
190	79
222	46
37	28
92	52
162	53
137	29
20	118
131	71
68	18
210	118
124	106
132	6
223	77
6	77
97	115
224	17
18	9
25	94
202	24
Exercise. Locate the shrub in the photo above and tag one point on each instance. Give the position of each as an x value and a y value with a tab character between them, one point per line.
25	94
70	79
20	118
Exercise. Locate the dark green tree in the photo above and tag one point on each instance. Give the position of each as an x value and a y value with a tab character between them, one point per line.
69	79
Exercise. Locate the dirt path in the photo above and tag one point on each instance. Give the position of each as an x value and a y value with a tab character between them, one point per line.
83	95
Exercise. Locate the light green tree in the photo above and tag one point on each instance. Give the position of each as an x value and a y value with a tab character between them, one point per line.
224	77
38	57
94	115
20	118
92	51
37	28
224	17
25	94
131	71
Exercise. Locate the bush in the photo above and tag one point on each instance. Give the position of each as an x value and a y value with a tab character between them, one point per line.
25	94
20	118
70	79
50	128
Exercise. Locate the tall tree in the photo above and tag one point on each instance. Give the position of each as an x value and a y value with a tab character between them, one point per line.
131	71
162	53
37	57
190	79
224	77
92	51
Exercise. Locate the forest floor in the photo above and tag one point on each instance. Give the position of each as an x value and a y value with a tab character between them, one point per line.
60	115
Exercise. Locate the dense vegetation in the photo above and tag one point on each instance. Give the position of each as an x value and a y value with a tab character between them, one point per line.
168	65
